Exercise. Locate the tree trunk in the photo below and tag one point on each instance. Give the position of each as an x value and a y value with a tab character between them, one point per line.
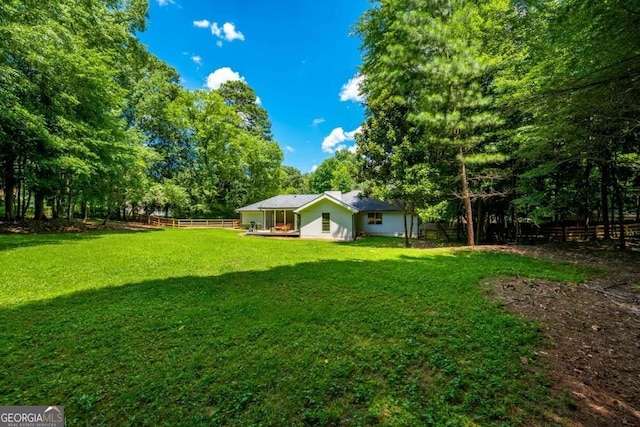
411	218
38	201
19	190
69	201
84	209
604	198
407	239
620	202
25	207
9	186
55	208
467	200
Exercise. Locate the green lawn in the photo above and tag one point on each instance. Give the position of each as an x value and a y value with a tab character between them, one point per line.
203	327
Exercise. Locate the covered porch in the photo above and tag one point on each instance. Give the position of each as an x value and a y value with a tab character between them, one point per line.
283	222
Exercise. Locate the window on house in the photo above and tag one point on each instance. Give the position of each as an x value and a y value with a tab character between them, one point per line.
326	222
374	218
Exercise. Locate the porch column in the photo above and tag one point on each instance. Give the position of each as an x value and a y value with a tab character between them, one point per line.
295	221
284	216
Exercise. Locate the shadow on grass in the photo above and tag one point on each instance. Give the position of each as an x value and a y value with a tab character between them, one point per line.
324	343
14	241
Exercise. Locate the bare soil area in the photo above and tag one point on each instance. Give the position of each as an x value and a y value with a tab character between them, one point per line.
73	226
591	330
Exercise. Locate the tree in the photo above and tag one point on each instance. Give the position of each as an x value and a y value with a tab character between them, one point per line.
424	65
575	83
231	166
293	181
335	173
60	115
243	99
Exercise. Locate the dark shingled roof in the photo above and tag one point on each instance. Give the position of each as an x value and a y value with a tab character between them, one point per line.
365	204
284	201
294	201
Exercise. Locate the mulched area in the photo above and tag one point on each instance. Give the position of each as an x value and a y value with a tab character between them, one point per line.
72	226
591	331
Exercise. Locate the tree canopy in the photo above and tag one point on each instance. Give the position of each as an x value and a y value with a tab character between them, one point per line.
506	111
91	121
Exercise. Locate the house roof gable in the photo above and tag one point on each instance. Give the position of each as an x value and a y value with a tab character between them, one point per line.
330	198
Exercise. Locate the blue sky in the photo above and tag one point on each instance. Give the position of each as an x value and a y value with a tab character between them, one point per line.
297	55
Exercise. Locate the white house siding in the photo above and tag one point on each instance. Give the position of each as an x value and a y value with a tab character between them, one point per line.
247	217
341	227
392	225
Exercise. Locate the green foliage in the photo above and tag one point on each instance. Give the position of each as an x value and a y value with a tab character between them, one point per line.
293	181
335	173
232	167
89	117
202	327
243	99
533	105
430	109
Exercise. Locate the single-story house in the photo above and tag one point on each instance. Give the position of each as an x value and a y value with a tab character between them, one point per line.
331	215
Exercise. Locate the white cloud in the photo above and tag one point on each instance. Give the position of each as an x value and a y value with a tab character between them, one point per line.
197	59
289	149
314	168
351	90
336	139
226	32
230	33
258	101
215	30
220	76
202	24
318	121
165	2
352	135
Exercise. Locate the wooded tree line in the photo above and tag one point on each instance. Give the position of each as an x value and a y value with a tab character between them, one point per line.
91	122
503	111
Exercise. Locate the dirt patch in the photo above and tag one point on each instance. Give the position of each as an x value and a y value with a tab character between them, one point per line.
591	330
73	226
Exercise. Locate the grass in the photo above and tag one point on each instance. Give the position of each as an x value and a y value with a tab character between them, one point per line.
202	327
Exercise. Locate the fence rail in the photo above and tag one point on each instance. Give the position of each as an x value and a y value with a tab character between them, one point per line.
531	233
584	233
193	223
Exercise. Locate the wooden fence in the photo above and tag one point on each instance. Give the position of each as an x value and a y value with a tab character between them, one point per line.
584	233
193	223
532	233
437	231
